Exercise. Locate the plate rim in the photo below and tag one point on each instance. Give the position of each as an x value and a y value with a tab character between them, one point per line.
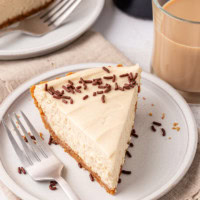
192	143
32	52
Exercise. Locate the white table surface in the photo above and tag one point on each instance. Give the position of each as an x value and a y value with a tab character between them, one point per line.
134	37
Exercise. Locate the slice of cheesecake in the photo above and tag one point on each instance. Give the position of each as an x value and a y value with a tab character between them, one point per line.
12	11
91	114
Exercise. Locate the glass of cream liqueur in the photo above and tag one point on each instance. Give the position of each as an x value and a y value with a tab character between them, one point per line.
176	53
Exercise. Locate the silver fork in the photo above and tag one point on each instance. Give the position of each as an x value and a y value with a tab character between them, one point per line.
46	21
37	158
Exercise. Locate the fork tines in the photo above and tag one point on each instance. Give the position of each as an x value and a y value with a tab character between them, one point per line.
32	152
59	11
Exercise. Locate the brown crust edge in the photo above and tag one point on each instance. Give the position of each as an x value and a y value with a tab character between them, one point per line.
67	148
23	16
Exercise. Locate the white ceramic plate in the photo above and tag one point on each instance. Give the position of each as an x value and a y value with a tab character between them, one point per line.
18	46
158	162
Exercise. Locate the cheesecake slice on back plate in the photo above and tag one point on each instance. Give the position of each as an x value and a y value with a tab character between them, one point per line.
12	11
91	113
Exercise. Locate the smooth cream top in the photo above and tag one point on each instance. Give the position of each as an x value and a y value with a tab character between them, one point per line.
102	122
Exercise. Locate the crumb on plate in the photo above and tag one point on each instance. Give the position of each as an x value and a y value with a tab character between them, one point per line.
41	136
163	116
175	124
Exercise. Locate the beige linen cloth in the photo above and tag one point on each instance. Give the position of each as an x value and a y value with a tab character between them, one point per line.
91	47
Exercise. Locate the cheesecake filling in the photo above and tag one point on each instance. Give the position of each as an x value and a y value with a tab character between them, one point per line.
98	132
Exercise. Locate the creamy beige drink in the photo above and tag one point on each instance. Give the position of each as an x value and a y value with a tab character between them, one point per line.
176	57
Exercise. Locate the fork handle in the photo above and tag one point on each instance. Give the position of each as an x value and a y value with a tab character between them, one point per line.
8	30
67	189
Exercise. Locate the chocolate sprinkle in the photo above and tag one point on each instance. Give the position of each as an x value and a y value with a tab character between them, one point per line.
126	172
64	101
139	89
94	82
79	87
101	87
77	90
88	81
123	75
157	123
108	77
99	92
81	80
129	79
50	140
66	97
32	137
56	97
132	85
107	90
53	182
58	93
136	75
79	164
116	86
108	85
84	86
133	132
128	154
153	128
71	101
120	180
114	78
25	139
131	144
52	187
19	170
91	178
65	88
23	170
85	97
103	99
163	132
94	94
131	76
54	142
120	88
70	82
106	69
126	86
62	92
134	135
46	87
50	92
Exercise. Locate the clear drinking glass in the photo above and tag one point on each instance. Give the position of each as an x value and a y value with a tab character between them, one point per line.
176	53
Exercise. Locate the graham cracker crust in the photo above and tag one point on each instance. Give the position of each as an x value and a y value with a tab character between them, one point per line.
68	149
23	16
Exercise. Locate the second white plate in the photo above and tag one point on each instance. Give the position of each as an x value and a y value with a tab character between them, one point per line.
18	46
158	163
